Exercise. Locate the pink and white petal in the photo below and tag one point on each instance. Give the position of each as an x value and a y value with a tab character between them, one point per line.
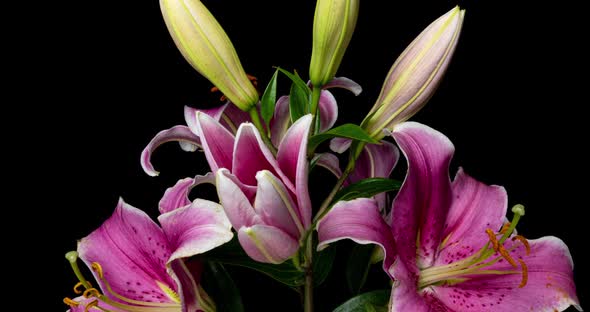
340	145
281	120
328	110
132	251
252	155
190	115
344	83
404	293
233	117
235	203
275	206
83	303
292	159
360	221
176	196
375	161
217	141
268	244
195	229
176	133
328	161
422	204
475	208
188	284
550	285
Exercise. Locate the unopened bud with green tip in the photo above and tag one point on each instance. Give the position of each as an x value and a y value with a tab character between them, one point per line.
416	74
205	45
333	25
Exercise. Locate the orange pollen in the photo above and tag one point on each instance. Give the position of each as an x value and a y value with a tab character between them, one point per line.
71	302
493	239
525	274
91	292
223	98
524	241
253	79
96	267
506	255
505	228
77	288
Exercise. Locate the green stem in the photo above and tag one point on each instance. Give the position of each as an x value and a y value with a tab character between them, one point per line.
316	92
256	121
308	286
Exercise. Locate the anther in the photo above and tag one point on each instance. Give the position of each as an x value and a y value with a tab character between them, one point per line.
91	292
493	239
90	305
506	255
77	288
96	267
524	242
505	228
71	302
525	274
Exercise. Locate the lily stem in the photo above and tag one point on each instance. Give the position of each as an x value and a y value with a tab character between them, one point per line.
316	92
308	286
256	121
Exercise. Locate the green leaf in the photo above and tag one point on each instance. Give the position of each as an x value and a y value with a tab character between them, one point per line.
296	80
269	99
222	288
298	102
371	301
322	264
367	188
350	131
233	254
357	267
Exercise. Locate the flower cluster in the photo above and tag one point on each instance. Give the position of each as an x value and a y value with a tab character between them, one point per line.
445	243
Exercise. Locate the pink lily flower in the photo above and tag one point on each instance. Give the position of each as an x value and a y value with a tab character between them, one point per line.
140	266
450	248
265	198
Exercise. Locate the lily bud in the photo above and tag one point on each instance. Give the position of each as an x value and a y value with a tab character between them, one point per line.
205	45
416	74
333	25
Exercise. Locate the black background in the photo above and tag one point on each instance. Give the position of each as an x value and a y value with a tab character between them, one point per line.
509	102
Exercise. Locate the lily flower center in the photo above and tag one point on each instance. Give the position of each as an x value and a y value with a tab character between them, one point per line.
86	289
479	262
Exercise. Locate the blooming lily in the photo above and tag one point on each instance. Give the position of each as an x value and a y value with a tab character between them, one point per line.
205	45
416	74
265	198
450	248
333	26
140	266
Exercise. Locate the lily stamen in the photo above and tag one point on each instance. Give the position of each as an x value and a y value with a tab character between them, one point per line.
77	290
91	292
525	275
223	98
524	241
72	303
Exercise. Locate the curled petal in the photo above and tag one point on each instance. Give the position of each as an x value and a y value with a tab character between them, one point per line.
340	145
344	83
195	229
360	221
176	133
177	196
235	203
429	154
328	161
267	244
187	276
328	110
281	120
217	142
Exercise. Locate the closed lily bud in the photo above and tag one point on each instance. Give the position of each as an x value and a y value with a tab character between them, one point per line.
416	74
333	25
205	45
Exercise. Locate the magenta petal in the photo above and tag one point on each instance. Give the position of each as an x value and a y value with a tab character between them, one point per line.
233	117
340	145
329	162
275	206
235	203
190	115
328	110
217	142
475	208
195	229
281	120
176	133
550	285
345	83
292	159
177	195
404	294
428	153
132	251
361	221
188	288
267	244
83	302
251	155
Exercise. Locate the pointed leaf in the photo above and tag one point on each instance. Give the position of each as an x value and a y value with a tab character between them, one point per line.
298	102
296	80
269	99
371	301
350	131
233	254
222	288
357	267
367	188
